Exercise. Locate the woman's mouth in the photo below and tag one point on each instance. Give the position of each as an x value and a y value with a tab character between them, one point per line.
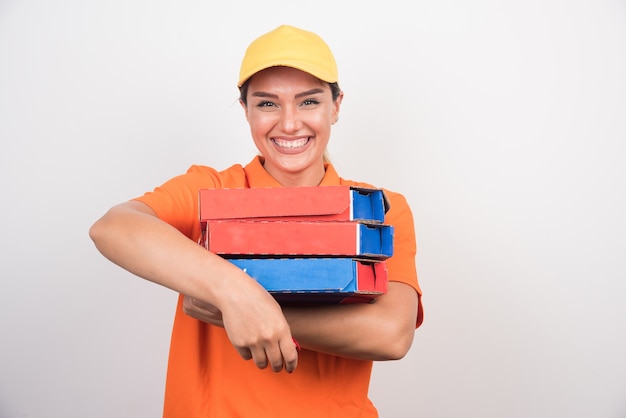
291	144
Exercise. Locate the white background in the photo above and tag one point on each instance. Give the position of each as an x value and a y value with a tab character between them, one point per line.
503	123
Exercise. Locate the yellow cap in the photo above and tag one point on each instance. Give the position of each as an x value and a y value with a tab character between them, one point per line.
290	47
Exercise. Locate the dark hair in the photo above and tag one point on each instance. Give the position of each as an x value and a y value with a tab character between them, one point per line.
335	90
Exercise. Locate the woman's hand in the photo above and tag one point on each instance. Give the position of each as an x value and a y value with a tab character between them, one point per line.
255	326
258	329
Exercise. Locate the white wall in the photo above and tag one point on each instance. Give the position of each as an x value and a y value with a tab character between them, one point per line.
503	123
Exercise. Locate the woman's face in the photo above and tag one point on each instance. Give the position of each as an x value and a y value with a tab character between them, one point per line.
290	113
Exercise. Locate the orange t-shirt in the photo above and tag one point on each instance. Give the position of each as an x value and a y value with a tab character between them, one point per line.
206	377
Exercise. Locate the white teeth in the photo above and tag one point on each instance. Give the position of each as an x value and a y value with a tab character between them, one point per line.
291	144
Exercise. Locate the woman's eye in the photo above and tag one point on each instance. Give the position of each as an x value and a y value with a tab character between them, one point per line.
309	102
265	104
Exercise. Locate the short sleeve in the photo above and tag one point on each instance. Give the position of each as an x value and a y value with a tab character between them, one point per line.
401	266
176	200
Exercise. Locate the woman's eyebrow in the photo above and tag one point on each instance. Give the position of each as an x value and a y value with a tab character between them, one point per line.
297	96
264	94
309	92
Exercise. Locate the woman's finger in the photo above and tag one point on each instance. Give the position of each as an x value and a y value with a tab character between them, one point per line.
244	352
275	357
289	351
259	357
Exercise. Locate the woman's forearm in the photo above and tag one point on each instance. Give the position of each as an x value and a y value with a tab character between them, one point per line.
132	237
382	330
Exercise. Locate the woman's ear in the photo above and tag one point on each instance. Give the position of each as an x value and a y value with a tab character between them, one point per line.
336	107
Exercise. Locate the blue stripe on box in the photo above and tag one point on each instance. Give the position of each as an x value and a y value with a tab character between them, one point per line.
368	205
376	241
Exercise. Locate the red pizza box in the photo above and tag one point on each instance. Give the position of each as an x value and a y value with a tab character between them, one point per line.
323	203
317	280
333	239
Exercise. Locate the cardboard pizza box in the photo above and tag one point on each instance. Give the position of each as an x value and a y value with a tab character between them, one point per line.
322	203
339	239
317	280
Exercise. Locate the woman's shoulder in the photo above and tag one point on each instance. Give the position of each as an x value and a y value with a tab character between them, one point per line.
233	176
207	170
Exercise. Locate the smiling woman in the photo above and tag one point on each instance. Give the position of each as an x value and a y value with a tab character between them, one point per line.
290	113
291	99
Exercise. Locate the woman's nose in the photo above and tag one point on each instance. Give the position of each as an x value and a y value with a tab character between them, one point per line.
290	120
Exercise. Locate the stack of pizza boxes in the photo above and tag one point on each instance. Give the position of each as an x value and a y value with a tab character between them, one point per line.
323	244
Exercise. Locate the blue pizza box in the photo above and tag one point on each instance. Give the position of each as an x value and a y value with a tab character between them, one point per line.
321	280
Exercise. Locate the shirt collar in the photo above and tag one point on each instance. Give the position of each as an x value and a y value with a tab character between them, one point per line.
256	175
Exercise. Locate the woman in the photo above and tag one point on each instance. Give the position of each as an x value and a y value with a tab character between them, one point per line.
291	99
